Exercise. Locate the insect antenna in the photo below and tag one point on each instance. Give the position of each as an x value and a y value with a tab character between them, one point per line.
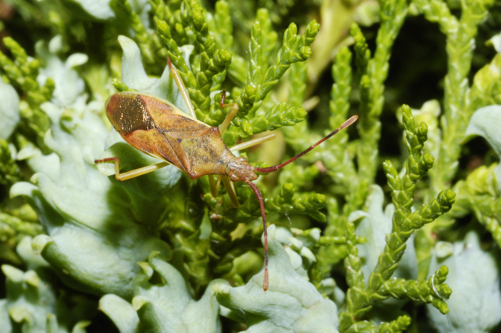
259	197
280	166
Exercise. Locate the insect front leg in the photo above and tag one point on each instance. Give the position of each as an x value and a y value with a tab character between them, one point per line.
214	185
230	115
214	188
132	173
229	184
226	181
253	142
230	188
182	89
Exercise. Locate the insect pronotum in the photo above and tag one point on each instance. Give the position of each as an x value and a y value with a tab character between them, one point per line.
158	128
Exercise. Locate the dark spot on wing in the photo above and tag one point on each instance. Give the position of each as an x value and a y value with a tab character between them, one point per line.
127	113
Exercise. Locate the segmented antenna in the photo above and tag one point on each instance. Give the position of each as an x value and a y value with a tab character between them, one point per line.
259	196
280	166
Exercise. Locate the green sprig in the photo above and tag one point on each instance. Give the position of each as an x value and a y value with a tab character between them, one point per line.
311	204
478	194
9	170
298	174
176	57
372	83
12	226
403	186
353	265
398	325
23	72
305	203
338	160
460	34
278	116
297	87
361	48
296	136
295	48
150	47
486	88
119	85
433	290
222	26
212	62
208	68
176	15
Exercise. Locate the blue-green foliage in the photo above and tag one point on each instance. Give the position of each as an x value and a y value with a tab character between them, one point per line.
349	252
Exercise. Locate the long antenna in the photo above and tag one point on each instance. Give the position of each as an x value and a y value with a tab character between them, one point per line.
280	166
259	197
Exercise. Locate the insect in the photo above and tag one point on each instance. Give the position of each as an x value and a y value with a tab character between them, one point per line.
158	128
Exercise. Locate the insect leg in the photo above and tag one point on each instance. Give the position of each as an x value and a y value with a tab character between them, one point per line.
230	188
230	115
182	89
213	189
253	142
226	181
347	123
132	173
186	96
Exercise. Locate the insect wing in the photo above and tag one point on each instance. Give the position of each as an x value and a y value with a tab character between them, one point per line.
170	120
149	123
